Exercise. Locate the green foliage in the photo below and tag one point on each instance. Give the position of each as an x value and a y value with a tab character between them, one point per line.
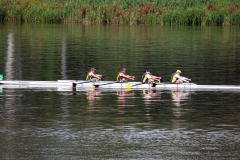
193	16
50	16
166	12
16	12
235	18
215	17
34	14
2	11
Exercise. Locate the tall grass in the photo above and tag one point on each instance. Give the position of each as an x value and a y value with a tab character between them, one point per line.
165	12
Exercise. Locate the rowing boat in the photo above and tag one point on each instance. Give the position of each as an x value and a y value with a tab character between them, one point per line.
114	85
54	83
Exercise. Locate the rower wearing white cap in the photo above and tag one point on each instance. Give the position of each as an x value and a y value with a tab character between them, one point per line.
122	77
92	77
177	78
149	78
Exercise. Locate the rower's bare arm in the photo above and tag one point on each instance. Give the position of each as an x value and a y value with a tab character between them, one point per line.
97	76
186	80
156	78
131	77
127	76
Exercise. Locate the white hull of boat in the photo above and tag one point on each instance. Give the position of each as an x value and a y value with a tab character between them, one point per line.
59	82
112	85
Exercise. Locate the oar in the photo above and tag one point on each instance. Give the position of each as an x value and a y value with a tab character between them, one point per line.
162	81
96	86
75	84
152	85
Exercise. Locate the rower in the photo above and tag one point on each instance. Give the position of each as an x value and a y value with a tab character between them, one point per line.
92	77
149	78
122	77
177	79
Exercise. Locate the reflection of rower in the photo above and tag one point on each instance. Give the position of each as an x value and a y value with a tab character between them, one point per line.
149	78
92	96
177	78
121	98
122	77
178	95
149	96
92	77
122	95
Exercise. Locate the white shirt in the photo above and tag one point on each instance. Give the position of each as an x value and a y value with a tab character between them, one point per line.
148	76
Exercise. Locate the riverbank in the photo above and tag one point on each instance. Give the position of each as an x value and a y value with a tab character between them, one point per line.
175	12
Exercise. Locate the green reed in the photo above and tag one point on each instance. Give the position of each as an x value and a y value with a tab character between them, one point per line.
165	12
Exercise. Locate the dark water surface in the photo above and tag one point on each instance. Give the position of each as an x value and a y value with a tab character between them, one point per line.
57	123
208	55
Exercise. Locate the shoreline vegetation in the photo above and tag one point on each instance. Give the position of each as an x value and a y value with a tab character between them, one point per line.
133	12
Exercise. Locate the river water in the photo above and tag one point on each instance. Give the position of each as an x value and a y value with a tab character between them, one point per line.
57	123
